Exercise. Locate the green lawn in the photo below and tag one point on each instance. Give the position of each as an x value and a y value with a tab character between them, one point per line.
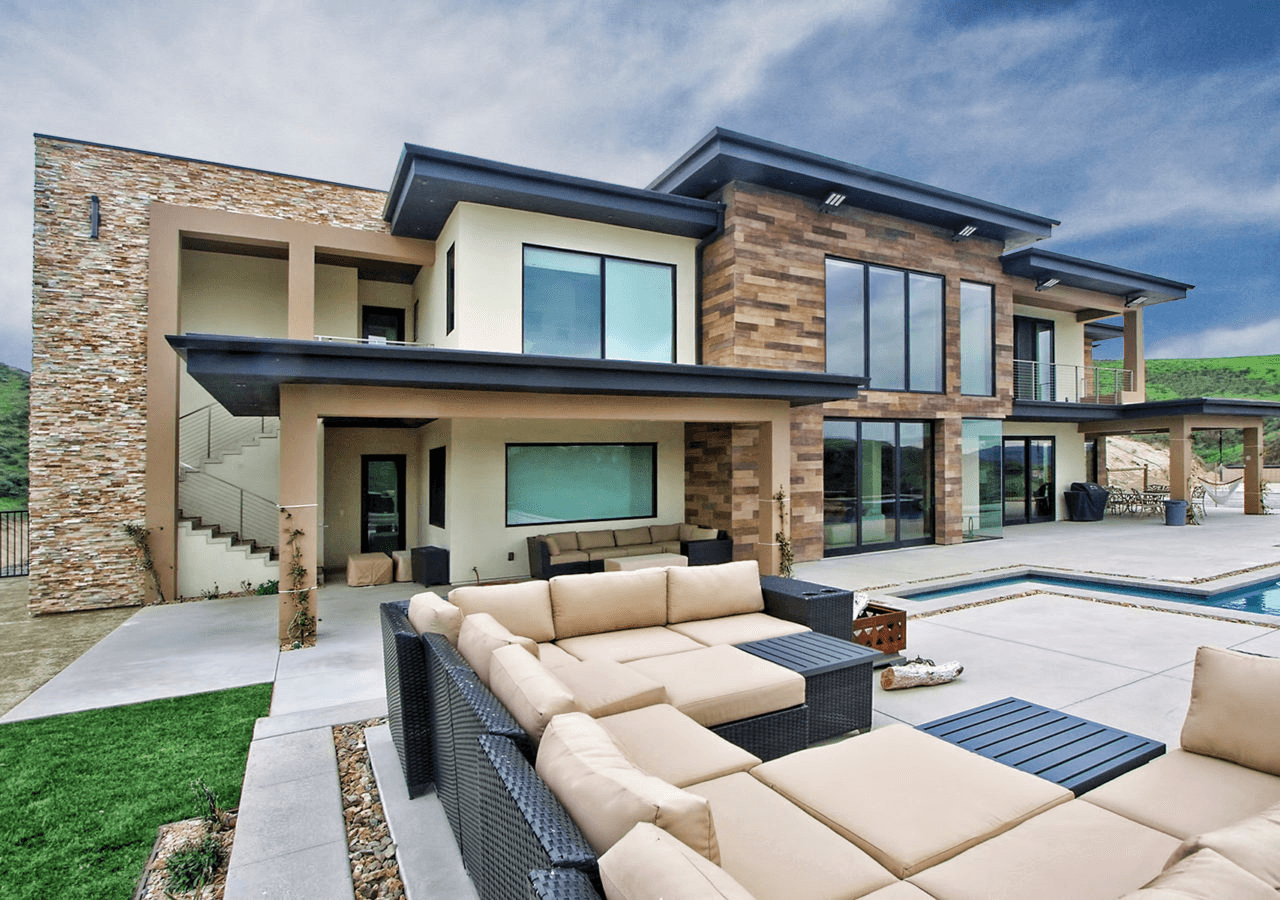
81	795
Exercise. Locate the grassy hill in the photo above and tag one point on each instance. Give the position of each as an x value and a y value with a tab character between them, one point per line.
14	394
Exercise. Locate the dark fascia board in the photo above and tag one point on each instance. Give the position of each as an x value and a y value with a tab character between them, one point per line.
1095	332
1048	411
724	156
244	374
429	183
1072	271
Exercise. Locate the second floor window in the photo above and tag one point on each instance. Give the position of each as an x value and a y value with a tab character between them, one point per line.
599	307
977	339
885	324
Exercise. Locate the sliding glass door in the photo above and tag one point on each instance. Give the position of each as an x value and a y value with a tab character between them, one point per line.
1029	494
878	485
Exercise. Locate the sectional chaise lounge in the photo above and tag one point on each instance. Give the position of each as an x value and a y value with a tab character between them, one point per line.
576	552
569	779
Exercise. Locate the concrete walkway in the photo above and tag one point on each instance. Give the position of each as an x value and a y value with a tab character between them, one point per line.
1125	666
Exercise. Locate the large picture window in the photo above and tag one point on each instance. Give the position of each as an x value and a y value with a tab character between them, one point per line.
977	339
581	482
886	324
600	307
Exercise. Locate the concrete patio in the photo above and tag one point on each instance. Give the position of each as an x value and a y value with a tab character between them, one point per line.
1124	665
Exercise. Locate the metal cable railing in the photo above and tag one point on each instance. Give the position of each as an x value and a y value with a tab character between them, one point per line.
232	509
1059	382
207	433
15	542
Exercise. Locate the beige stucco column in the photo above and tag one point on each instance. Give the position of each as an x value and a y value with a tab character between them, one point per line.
299	498
1179	459
1135	354
302	290
1253	470
774	471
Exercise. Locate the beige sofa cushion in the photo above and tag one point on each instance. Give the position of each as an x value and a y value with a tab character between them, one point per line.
594	540
565	540
1204	876
608	601
709	592
480	635
660	534
606	794
608	553
524	608
1253	844
956	799
716	685
697	533
1234	714
632	643
528	689
899	890
778	852
553	656
1072	852
625	537
665	742
737	629
603	687
1185	794
649	864
431	614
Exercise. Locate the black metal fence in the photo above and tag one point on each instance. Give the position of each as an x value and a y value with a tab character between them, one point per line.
15	542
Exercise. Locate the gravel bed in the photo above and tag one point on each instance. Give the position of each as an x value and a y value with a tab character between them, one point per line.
374	869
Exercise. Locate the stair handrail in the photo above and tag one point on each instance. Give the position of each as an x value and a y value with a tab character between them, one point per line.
197	431
262	533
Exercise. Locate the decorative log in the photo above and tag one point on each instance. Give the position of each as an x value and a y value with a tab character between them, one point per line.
916	674
861	599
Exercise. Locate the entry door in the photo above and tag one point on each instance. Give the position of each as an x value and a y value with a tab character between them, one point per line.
1028	481
381	503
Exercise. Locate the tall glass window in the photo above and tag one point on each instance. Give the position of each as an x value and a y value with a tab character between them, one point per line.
584	305
581	482
977	339
878	484
886	324
980	479
1029	494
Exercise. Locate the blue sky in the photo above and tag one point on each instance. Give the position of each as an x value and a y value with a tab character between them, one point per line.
1152	130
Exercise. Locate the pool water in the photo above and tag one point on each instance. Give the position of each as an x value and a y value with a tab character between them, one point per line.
1258	598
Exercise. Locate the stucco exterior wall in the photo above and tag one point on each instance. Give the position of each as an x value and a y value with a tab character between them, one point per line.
343	448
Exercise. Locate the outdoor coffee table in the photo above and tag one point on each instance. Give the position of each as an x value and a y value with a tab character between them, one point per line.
1059	747
837	678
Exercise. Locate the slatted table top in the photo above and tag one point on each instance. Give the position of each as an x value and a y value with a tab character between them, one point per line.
1065	749
811	652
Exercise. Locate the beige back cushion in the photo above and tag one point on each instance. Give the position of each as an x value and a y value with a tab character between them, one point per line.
649	864
594	540
709	592
606	795
660	533
1202	876
627	536
480	635
1253	844
565	540
528	689
1234	714
524	608
608	601
431	614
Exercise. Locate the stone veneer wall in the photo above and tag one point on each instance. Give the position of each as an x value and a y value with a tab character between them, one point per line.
764	306
88	372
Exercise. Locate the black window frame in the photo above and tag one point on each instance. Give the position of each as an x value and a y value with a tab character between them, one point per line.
1029	517
506	480
437	460
450	290
400	461
906	323
1019	379
604	288
992	288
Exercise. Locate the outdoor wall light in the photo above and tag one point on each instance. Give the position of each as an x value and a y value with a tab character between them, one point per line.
94	215
967	231
1135	300
1045	283
834	199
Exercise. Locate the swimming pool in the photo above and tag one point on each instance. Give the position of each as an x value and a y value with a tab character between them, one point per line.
1257	598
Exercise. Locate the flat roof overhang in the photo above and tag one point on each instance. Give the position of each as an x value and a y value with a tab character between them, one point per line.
724	156
244	374
1127	417
1041	265
429	183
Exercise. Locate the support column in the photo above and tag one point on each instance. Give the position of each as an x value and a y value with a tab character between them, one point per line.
163	277
1253	471
299	519
774	469
302	291
1135	355
948	479
1179	459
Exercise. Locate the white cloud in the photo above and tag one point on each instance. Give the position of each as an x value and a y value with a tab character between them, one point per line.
1258	338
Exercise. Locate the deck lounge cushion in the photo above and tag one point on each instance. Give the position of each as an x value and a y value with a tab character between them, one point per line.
625	537
1073	851
709	592
716	685
629	644
1185	794
603	687
1234	714
594	540
608	601
649	864
956	798
429	613
480	635
524	608
1204	876
739	629
606	794
529	690
665	742
779	852
1253	844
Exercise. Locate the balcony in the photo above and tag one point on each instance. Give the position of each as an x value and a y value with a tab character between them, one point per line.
1061	383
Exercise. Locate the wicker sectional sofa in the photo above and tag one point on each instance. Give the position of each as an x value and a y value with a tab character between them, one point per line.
644	802
576	552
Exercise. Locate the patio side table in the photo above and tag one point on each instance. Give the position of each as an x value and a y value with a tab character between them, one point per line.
837	678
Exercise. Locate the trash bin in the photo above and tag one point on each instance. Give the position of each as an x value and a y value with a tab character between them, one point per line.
430	565
1175	512
1086	501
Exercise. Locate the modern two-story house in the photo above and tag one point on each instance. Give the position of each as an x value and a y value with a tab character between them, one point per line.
485	352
